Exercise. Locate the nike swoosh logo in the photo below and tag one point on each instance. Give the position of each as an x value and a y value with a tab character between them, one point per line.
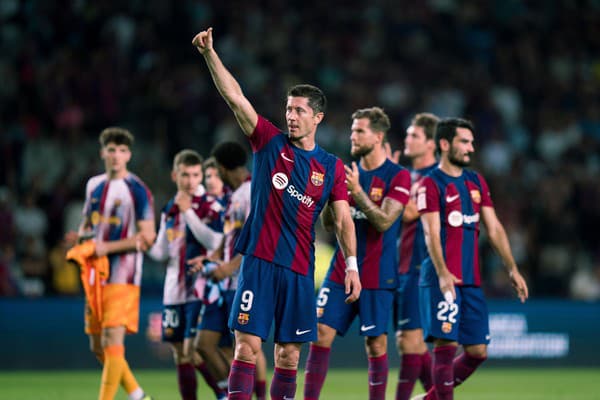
299	332
287	398
366	328
450	199
401	189
235	391
403	321
375	383
286	158
448	383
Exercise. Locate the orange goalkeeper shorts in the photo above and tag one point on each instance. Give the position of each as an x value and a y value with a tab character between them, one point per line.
120	307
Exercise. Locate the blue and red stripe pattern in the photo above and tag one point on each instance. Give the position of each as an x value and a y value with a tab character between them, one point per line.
458	201
376	251
290	187
411	247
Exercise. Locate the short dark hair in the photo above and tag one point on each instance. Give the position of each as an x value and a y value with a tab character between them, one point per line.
378	119
116	135
187	157
446	129
428	122
316	98
230	155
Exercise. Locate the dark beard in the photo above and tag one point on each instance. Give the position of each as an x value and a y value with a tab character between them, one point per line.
458	162
362	152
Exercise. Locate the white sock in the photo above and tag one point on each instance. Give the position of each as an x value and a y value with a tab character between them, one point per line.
137	394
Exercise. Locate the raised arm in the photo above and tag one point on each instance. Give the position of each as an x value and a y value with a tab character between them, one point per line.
226	84
499	241
346	236
380	217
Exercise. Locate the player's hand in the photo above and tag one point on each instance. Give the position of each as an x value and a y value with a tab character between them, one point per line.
352	175
447	281
143	242
183	201
353	286
203	41
196	264
392	156
519	284
223	271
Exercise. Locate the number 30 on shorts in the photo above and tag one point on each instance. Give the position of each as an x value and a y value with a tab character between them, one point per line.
447	312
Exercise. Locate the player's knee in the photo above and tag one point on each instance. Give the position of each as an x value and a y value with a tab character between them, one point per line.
479	352
287	357
244	352
376	346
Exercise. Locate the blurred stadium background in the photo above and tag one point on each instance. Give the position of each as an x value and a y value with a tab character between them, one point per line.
527	73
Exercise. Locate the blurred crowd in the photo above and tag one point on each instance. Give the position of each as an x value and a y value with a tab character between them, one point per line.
526	73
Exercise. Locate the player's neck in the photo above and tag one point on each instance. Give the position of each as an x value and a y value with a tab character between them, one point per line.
117	174
424	161
306	143
240	177
374	159
450	169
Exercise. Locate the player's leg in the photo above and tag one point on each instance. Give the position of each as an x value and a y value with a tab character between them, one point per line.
333	316
251	316
214	367
474	334
186	375
441	321
260	381
295	323
415	360
375	307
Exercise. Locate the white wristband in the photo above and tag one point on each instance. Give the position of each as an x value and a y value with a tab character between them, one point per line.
351	264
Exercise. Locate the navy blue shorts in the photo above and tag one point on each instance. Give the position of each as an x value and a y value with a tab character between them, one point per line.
465	321
214	317
407	315
268	292
373	309
179	321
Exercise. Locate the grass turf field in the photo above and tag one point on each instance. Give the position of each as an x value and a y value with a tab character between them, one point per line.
486	384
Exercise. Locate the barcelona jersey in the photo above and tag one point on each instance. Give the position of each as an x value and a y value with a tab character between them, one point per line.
459	201
290	187
376	251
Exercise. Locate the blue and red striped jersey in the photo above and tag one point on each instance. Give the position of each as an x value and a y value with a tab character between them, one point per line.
376	251
290	187
411	247
459	201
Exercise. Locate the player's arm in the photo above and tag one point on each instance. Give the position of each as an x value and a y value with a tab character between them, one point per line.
208	237
499	241
346	237
327	219
431	229
226	84
411	212
140	242
380	217
160	249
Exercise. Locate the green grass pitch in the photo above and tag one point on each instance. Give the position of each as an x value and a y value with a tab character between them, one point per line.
485	384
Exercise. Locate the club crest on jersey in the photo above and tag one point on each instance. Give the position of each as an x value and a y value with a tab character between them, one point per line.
376	193
243	318
317	178
446	327
476	196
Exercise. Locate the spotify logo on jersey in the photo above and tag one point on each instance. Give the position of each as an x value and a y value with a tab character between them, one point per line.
280	180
